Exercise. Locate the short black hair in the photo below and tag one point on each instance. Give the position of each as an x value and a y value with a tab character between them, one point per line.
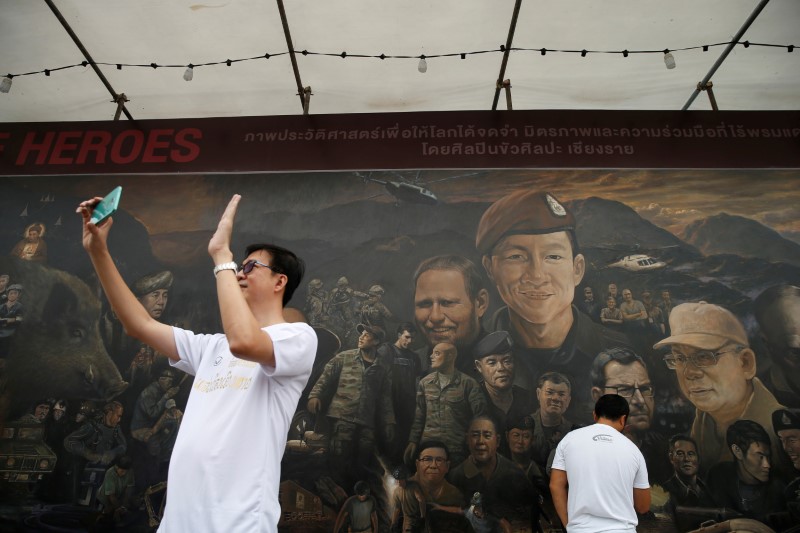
743	433
112	406
622	355
681	437
406	326
555	378
488	418
424	445
125	462
284	262
612	407
361	488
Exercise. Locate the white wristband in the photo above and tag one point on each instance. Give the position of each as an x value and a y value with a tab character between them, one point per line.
225	266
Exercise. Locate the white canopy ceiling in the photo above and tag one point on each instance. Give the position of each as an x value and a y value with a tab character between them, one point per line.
179	32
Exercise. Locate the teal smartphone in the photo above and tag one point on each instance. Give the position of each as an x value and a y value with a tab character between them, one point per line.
107	206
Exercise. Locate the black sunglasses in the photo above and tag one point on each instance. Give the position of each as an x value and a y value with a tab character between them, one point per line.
248	267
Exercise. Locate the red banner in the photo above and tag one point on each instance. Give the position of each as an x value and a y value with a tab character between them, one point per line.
479	139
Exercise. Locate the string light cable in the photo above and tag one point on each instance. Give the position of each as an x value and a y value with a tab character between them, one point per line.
189	68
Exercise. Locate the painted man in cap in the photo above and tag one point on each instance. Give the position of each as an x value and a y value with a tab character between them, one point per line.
152	291
354	392
11	311
494	361
777	311
716	370
787	426
450	298
530	251
447	399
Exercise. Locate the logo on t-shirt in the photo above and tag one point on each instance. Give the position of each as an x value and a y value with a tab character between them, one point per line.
603	438
218	360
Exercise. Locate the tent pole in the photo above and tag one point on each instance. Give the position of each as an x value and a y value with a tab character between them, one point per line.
88	57
295	68
510	38
727	51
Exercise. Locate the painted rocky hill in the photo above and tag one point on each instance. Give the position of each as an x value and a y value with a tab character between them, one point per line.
732	234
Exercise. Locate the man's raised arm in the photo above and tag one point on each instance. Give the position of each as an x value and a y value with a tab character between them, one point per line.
135	319
240	322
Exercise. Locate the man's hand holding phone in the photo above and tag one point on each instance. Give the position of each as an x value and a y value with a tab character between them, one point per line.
96	213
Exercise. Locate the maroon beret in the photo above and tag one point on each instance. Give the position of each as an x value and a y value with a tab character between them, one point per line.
522	213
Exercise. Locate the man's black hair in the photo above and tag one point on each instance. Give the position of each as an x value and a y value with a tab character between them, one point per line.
681	437
556	378
125	462
488	418
285	262
620	354
424	445
611	407
361	488
743	433
406	326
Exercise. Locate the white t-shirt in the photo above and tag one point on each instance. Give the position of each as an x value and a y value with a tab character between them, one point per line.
603	467
225	468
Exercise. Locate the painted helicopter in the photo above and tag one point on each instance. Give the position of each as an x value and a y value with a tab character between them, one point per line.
634	262
637	263
402	190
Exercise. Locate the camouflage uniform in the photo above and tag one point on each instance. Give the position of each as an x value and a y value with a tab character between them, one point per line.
358	398
375	313
444	413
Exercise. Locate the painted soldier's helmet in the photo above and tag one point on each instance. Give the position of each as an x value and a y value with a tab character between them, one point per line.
376	289
315	283
342	282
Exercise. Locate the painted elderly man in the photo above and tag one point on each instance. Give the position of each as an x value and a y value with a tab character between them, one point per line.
716	370
530	251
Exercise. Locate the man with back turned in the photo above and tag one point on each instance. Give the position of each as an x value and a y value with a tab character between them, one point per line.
605	472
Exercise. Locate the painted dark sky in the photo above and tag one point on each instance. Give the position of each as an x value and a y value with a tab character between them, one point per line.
668	198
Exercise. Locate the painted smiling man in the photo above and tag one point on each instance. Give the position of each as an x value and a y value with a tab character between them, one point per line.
530	251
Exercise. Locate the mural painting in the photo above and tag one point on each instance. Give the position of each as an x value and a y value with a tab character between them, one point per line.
467	320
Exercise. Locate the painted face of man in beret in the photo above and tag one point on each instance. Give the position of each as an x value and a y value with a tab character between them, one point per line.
534	267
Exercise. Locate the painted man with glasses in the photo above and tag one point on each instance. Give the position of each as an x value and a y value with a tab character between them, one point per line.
716	370
621	371
433	464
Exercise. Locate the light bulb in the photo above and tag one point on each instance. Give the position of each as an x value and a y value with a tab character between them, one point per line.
188	74
5	85
423	65
669	60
